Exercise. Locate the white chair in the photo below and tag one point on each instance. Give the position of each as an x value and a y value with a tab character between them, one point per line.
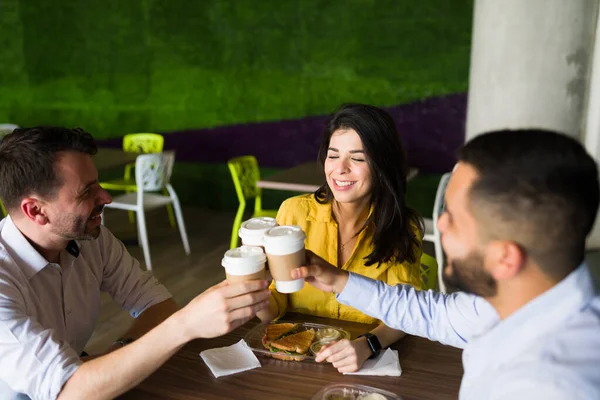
152	174
432	234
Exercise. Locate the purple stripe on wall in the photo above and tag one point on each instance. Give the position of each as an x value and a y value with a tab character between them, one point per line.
432	131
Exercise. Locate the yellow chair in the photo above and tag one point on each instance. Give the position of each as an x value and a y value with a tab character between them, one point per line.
245	173
138	143
4	212
429	271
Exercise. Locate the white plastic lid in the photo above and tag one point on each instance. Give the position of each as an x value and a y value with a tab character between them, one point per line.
283	240
252	231
289	286
244	260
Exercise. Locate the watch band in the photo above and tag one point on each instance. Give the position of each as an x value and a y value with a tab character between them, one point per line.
373	342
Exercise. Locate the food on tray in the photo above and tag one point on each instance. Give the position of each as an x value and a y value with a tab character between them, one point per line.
285	343
278	339
328	334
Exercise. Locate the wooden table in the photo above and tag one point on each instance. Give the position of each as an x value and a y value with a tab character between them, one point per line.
107	158
429	371
307	177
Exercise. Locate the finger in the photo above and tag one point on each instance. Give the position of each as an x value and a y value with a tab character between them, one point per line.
305	272
239	288
345	362
246	300
339	356
324	353
332	352
348	368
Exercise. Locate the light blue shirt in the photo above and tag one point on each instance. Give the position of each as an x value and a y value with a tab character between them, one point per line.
548	349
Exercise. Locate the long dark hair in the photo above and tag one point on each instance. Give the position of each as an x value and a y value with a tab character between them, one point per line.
394	238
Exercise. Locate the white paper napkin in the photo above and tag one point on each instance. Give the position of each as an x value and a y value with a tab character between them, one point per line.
230	360
386	364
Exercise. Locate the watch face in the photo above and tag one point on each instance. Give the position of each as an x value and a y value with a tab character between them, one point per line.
374	343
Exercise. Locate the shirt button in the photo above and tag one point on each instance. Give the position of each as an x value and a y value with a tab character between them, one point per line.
69	311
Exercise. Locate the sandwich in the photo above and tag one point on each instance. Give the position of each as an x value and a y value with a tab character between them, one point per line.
276	331
293	346
296	343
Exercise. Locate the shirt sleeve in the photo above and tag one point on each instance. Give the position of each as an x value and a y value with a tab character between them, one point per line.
526	388
446	318
39	363
135	290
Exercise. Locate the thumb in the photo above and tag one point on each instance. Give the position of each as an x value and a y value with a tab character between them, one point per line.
305	272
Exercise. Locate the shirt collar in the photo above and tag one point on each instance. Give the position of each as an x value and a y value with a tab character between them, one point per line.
323	212
25	255
540	316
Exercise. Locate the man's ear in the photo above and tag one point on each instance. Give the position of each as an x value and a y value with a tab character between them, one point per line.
34	210
505	259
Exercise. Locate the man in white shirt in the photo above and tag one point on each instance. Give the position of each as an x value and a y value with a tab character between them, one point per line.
519	207
56	258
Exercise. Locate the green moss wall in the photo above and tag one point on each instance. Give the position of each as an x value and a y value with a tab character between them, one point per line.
115	67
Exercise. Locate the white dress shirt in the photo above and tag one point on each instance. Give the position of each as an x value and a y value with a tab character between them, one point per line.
548	349
48	311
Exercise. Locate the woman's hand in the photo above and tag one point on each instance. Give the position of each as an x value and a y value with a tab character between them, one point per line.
346	355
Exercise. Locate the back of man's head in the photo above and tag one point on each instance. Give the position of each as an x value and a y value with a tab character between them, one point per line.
27	161
538	189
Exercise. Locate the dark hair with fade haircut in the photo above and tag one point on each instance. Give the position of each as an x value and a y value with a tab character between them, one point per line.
537	188
394	237
27	161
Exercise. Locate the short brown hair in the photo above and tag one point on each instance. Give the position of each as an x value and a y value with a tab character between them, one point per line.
27	161
537	188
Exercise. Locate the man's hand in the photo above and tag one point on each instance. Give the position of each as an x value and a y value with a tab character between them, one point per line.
223	307
322	275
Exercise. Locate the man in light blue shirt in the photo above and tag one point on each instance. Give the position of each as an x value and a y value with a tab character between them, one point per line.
519	207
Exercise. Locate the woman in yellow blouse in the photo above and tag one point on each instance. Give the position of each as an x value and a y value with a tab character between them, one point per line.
359	221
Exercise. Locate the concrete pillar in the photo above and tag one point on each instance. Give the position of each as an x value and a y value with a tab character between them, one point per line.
591	132
529	64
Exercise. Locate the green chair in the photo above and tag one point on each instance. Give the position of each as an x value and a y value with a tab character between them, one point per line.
429	271
245	173
138	143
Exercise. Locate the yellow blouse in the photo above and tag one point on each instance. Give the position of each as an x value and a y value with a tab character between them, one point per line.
322	238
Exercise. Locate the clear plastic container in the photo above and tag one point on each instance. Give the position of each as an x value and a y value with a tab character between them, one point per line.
343	391
255	336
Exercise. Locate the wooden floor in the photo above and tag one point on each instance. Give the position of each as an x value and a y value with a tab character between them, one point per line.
185	276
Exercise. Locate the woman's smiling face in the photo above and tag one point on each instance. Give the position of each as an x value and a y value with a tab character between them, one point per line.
346	167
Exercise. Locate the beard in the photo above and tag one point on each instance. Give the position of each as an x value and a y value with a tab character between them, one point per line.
468	275
75	227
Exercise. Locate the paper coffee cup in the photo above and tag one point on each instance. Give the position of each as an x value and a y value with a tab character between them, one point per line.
244	263
284	246
252	231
